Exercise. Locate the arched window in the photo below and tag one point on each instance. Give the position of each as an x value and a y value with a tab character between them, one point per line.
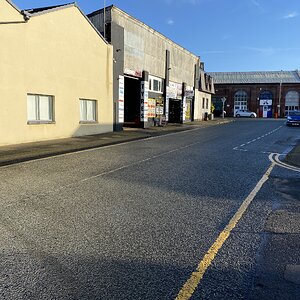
240	100
265	95
291	101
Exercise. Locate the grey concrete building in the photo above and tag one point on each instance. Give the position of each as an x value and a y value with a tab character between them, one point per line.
155	79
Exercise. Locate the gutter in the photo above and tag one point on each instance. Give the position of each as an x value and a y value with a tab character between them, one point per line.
26	17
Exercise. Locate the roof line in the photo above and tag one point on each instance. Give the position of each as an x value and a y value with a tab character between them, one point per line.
90	22
45	10
142	23
64	6
259	77
13	5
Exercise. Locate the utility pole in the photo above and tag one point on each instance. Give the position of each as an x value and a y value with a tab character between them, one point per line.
279	98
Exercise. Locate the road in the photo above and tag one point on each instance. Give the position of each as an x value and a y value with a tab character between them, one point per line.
133	221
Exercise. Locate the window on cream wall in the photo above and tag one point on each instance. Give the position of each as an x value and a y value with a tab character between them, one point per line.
88	111
40	108
155	84
203	103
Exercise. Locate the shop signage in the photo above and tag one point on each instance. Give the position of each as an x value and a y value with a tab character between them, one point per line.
183	108
189	92
121	99
144	101
151	107
179	91
134	73
167	108
172	90
265	102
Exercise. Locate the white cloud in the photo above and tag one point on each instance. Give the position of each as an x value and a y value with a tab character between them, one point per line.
256	3
226	37
260	8
291	15
213	52
173	2
269	50
264	51
170	22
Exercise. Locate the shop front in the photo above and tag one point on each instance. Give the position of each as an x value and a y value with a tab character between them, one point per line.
176	105
155	109
265	104
188	105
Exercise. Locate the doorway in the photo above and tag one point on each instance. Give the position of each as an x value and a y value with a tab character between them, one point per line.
132	91
174	111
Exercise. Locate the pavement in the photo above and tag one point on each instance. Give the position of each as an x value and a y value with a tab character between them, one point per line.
12	154
29	151
293	157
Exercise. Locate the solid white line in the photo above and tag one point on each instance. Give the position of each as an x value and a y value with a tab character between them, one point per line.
273	157
281	163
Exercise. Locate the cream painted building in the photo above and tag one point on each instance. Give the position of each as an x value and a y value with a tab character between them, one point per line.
55	75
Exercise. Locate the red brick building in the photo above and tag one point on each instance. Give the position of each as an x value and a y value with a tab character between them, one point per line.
269	94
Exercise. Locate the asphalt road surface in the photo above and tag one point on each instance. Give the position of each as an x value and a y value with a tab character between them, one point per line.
201	214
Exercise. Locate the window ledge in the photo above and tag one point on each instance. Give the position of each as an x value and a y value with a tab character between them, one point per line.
40	122
88	122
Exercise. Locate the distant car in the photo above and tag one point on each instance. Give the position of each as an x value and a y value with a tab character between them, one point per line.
293	118
245	113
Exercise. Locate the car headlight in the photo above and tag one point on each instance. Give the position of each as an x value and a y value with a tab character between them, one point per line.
289	118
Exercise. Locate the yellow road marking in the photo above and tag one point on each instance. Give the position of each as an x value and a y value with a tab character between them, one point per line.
192	283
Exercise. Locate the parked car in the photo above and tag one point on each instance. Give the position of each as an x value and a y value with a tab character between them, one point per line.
245	113
293	118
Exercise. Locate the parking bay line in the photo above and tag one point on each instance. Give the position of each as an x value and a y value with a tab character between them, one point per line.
193	282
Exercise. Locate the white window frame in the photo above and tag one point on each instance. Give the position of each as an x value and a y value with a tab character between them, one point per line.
39	111
87	116
155	81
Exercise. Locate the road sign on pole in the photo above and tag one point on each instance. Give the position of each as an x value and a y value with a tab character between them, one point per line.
223	101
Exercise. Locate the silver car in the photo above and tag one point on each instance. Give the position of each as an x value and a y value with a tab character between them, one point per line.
245	113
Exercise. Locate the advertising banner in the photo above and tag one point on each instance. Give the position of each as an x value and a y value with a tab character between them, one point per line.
121	99
144	101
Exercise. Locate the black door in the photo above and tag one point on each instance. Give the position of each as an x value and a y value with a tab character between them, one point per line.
174	111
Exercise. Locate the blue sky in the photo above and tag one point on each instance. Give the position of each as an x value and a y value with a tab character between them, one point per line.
228	35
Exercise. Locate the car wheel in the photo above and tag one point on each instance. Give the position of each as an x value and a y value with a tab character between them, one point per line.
237	115
252	116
